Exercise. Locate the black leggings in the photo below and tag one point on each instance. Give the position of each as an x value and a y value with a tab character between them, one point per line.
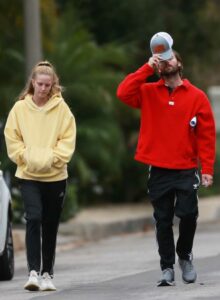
174	192
43	202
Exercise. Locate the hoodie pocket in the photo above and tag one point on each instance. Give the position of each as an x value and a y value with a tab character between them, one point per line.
38	159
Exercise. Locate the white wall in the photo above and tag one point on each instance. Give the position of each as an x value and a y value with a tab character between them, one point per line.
214	96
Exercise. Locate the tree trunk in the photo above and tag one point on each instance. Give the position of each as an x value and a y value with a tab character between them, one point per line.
33	48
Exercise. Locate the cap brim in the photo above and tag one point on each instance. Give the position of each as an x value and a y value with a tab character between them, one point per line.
166	55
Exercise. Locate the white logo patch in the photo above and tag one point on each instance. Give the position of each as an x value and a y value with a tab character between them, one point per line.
193	122
195	186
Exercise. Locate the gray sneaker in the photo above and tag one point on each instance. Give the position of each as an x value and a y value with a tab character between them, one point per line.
167	278
188	271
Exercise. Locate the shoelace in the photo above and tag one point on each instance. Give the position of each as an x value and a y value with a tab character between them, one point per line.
167	271
33	274
46	276
188	266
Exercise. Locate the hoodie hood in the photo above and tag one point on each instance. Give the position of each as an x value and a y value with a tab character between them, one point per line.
49	105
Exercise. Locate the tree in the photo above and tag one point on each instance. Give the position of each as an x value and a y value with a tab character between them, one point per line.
90	79
33	49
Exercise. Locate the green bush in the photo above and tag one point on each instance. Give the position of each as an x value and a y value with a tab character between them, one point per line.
71	206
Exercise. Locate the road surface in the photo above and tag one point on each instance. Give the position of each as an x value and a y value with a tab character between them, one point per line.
123	268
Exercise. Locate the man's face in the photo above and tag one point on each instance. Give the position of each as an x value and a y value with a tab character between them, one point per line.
168	67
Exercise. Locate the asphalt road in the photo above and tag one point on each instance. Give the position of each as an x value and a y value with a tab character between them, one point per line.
124	268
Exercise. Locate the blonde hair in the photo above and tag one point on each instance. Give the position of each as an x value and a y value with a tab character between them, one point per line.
43	67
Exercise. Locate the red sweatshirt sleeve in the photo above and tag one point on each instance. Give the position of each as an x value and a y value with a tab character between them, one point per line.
129	89
206	137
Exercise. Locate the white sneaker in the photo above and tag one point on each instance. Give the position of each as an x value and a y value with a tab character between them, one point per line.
46	283
33	282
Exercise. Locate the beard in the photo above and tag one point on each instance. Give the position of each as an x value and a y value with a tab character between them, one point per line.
169	72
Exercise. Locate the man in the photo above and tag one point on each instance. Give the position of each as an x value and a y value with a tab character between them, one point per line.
177	136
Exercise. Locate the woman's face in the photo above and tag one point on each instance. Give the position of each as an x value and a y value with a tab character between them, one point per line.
42	85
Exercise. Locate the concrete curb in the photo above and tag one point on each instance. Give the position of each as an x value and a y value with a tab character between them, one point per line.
95	231
98	223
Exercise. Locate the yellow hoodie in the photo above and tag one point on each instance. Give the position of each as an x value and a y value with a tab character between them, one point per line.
40	140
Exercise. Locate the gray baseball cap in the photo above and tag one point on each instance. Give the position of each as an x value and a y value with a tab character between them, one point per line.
161	43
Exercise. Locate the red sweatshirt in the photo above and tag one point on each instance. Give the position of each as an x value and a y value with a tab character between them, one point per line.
177	129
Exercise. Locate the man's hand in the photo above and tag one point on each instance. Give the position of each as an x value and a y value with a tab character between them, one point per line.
154	61
207	180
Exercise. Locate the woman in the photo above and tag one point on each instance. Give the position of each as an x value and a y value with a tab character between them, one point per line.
40	138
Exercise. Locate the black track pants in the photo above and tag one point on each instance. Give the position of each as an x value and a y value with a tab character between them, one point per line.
43	202
174	192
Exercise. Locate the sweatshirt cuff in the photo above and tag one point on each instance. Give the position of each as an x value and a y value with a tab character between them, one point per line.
207	170
20	159
58	163
146	68
55	160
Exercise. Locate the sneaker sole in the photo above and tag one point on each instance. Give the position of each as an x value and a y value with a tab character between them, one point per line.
166	283
189	281
48	290
32	287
